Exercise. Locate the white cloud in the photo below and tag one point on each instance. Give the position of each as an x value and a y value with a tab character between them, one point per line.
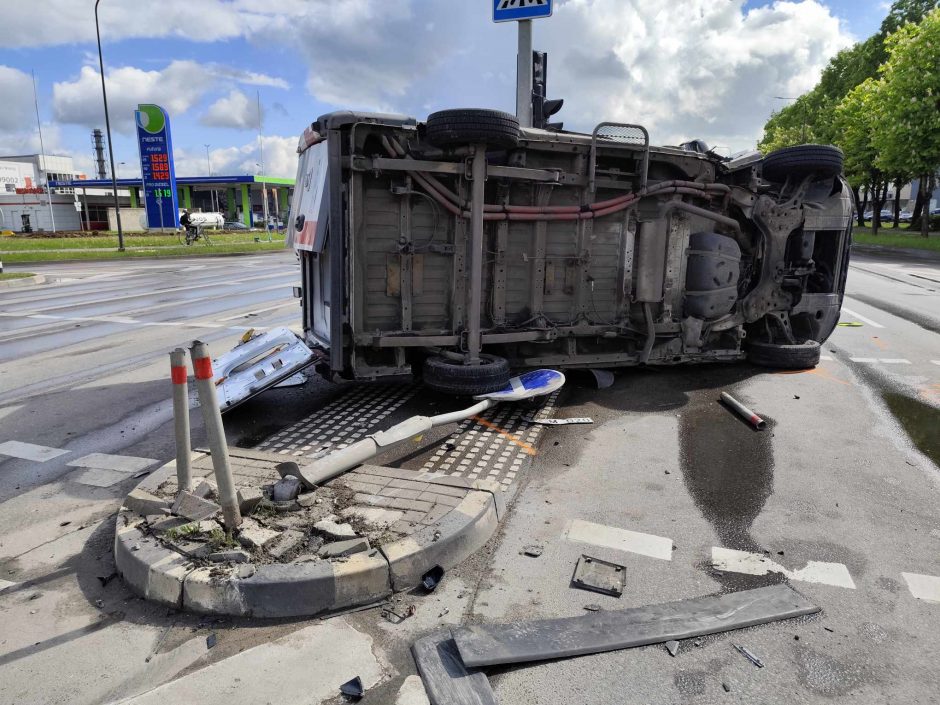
16	94
176	88
235	110
695	69
280	158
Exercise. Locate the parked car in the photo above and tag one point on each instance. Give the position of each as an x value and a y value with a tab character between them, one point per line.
905	217
886	215
234	225
462	246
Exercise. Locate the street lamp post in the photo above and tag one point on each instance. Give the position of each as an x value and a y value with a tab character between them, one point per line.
215	207
107	125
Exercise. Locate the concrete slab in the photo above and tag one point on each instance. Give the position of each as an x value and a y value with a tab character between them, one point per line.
412	692
95	477
30	451
118	463
342	653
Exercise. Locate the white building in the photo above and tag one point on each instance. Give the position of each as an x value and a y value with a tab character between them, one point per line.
24	200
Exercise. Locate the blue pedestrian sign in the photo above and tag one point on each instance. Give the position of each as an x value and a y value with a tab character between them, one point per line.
530	384
514	10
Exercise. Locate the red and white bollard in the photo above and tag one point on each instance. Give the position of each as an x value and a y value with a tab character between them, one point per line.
184	473
205	388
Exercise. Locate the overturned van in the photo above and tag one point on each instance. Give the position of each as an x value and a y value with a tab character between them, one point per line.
463	246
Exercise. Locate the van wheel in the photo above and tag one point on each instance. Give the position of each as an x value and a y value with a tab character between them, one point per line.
801	356
468	125
803	160
453	377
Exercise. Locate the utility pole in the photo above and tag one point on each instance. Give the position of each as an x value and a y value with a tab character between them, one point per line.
212	200
264	186
524	74
107	124
42	150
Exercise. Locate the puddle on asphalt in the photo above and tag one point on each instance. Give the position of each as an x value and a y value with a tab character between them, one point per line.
727	467
921	421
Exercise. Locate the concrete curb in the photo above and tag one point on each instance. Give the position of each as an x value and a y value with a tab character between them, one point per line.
304	589
898	252
23	281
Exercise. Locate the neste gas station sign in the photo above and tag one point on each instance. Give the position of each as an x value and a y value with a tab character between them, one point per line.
156	166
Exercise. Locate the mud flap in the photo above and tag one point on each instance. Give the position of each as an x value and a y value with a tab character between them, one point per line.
259	363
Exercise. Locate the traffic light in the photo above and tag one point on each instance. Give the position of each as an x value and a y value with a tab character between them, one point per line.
543	108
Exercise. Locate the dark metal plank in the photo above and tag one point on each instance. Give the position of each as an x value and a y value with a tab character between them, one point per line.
516	642
446	679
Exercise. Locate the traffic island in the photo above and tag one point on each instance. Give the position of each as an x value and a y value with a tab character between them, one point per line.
353	541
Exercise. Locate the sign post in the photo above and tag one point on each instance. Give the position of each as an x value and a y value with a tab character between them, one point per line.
156	167
523	12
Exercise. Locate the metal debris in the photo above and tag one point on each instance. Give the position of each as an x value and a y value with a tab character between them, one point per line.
600	576
748	655
742	411
390	612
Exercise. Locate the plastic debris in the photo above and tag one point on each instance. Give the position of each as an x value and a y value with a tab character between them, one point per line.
672	646
211	640
532	551
559	422
592	607
604	378
353	688
432	578
600	576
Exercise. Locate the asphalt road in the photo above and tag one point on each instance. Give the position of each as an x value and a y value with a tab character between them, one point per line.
838	498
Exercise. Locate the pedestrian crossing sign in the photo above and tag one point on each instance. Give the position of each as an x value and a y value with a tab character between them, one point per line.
514	10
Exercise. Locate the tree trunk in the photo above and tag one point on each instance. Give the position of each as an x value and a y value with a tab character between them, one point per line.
918	206
897	204
865	193
927	188
875	206
859	208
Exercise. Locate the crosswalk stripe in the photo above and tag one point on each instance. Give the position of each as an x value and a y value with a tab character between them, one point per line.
862	318
923	587
117	463
619	539
30	451
732	561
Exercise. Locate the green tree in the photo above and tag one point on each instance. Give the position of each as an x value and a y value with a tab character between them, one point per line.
907	133
855	120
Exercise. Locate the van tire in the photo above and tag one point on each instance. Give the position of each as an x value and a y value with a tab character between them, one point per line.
801	356
446	128
453	377
825	160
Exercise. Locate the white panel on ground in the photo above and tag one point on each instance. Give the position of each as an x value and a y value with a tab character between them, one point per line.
118	463
96	477
30	451
821	572
923	587
4	584
412	692
307	666
619	539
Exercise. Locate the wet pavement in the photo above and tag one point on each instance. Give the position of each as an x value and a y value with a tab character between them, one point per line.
844	482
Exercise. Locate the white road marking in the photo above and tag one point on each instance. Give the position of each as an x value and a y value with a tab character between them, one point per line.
862	318
127	321
826	358
4	584
936	362
923	587
119	463
619	539
95	477
30	451
412	692
894	361
258	311
863	359
732	561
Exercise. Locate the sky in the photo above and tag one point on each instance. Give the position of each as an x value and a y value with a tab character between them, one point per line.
707	69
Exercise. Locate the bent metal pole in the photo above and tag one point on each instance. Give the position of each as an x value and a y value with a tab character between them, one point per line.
742	411
184	475
205	387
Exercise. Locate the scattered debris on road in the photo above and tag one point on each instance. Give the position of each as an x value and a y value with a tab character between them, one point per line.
559	422
672	646
600	576
742	411
726	687
748	655
603	378
353	688
432	578
211	640
593	607
533	551
391	611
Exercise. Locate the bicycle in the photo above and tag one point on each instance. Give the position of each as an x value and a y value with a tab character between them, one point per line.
189	234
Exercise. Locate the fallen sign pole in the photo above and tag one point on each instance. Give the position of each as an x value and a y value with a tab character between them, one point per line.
742	411
531	384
